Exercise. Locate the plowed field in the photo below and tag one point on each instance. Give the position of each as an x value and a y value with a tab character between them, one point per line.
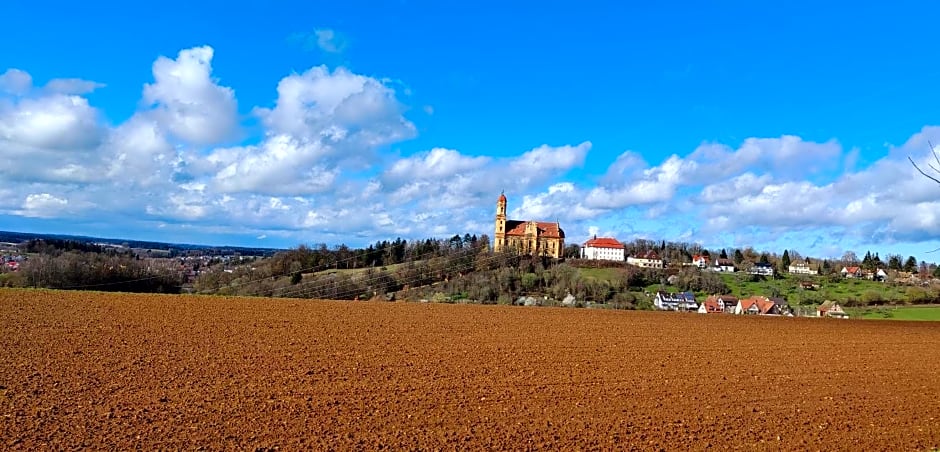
124	371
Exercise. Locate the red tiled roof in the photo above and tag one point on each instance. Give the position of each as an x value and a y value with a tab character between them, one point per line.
699	257
852	269
502	197
604	242
546	229
764	304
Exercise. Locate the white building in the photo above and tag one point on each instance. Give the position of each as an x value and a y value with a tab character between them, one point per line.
648	259
603	249
802	268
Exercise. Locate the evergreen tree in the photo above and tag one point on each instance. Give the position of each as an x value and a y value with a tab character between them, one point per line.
911	264
894	262
866	261
738	256
723	255
785	261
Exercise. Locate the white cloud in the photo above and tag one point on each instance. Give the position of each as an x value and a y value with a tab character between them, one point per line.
329	41
349	114
55	122
43	205
188	102
321	166
547	158
72	86
15	81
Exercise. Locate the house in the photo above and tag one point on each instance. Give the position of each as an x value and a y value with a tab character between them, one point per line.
762	268
851	272
831	309
537	238
878	275
724	265
700	261
757	306
681	301
717	304
780	305
802	268
808	285
646	259
603	248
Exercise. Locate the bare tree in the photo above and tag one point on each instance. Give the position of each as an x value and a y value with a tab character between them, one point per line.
936	169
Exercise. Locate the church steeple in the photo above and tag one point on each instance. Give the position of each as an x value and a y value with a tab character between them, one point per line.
499	239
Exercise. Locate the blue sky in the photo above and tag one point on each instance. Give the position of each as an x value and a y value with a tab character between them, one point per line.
784	126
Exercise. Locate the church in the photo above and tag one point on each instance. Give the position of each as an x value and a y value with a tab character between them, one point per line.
538	238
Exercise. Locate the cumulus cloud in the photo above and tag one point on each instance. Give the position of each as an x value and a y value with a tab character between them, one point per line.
15	81
323	165
188	101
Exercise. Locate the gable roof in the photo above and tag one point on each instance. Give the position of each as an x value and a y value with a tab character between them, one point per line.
604	242
724	262
763	304
546	229
852	269
648	254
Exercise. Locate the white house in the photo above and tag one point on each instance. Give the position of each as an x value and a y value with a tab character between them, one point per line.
699	261
603	248
851	272
724	265
648	259
801	268
682	301
762	269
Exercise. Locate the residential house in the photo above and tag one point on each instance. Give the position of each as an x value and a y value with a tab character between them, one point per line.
681	301
646	259
878	275
724	265
716	304
808	285
757	306
831	309
603	248
762	268
851	272
700	261
802	268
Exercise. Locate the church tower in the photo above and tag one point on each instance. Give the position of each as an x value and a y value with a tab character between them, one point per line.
499	239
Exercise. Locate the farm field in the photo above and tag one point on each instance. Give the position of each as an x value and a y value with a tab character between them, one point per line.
123	371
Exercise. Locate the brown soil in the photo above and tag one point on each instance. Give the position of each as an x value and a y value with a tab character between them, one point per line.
122	371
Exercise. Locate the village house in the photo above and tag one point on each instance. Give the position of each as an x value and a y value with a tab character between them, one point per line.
724	265
876	275
681	301
831	309
757	306
718	304
603	248
762	268
801	268
700	261
537	238
646	259
851	272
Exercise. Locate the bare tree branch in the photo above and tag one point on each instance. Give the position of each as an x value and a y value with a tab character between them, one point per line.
922	171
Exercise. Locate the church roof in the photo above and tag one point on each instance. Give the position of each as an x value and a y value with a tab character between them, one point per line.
546	229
